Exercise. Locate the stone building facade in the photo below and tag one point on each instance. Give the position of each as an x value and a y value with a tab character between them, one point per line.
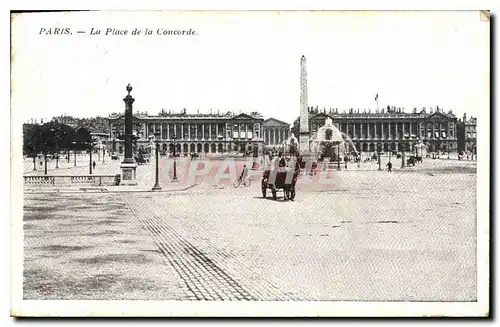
193	133
392	128
467	134
275	132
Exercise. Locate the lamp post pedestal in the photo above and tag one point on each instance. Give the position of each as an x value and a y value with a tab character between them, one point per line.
128	173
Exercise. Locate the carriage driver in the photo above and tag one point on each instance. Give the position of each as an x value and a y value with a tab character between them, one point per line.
282	160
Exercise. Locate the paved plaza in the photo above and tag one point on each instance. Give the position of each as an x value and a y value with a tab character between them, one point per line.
368	235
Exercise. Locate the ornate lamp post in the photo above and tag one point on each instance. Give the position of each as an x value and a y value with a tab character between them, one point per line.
405	138
36	146
338	156
174	138
91	148
45	160
74	151
379	148
56	136
157	187
128	164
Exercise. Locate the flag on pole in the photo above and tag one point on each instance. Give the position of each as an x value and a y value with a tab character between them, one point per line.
376	97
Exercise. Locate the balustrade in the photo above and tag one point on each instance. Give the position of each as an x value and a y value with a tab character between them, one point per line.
71	180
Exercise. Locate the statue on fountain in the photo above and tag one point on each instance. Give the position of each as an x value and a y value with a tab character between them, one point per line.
329	143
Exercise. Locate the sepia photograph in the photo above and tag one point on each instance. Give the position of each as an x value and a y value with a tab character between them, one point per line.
250	163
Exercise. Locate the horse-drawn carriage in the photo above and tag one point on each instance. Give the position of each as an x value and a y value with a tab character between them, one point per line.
412	160
280	179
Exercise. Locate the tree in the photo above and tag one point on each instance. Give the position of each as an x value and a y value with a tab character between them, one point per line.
57	136
32	139
82	139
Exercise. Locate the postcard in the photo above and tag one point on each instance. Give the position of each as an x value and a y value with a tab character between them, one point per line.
250	163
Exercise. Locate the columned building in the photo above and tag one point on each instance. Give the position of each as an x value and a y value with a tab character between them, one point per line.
275	132
193	133
392	128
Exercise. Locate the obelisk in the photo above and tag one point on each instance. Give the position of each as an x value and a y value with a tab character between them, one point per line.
304	134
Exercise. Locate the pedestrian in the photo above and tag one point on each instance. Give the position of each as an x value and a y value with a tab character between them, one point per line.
389	167
93	164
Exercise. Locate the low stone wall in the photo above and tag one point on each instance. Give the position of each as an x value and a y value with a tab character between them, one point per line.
58	180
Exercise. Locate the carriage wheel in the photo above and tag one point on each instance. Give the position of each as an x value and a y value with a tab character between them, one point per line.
286	194
273	191
292	194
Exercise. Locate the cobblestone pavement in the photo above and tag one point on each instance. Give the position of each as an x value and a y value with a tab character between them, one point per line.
90	247
368	236
206	273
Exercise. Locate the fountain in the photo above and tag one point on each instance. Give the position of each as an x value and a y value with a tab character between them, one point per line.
331	144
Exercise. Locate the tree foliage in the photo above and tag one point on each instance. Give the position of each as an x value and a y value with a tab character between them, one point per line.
48	138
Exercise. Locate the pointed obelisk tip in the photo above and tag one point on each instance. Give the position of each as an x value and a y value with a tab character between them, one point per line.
303	57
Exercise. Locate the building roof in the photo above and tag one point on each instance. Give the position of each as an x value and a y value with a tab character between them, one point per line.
315	113
275	122
163	115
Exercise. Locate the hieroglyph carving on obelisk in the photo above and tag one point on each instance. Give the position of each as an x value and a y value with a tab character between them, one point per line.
304	114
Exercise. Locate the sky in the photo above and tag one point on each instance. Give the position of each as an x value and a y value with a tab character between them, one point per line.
249	61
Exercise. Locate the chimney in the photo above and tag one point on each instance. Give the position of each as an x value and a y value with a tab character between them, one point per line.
465	117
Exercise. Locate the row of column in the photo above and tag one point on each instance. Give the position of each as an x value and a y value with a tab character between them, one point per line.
394	130
209	147
183	131
386	146
399	146
275	136
441	127
385	130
